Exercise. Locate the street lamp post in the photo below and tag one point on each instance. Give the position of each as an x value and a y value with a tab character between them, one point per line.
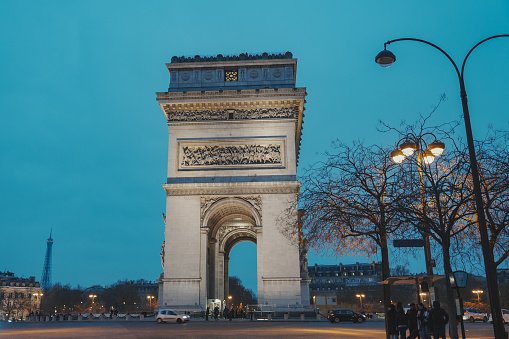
386	58
37	295
425	153
478	292
360	296
150	297
93	296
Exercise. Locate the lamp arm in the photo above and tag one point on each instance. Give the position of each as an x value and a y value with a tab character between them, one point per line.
480	42
432	45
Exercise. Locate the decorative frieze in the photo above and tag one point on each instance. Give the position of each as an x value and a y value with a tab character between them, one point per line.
204	154
231	189
233	155
233	114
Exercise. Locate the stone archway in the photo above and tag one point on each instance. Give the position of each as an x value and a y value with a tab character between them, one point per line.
234	134
229	221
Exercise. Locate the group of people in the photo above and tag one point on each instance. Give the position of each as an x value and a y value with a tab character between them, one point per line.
419	321
226	313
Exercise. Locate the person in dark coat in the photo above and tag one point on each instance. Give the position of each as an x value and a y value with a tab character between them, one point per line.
207	314
411	315
423	321
392	324
216	313
401	320
438	318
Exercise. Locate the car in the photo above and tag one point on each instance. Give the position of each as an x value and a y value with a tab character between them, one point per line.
335	316
505	316
166	315
473	314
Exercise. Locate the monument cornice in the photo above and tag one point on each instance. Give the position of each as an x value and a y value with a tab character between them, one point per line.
231	95
236	188
235	99
228	63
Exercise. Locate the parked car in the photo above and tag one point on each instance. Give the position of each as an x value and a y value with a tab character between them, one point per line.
505	316
473	314
166	315
335	316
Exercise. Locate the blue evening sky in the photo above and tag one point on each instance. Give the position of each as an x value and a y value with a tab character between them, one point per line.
83	141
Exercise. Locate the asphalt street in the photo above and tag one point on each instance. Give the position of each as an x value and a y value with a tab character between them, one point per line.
212	329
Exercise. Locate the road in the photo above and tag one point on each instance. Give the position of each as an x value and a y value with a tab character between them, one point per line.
212	329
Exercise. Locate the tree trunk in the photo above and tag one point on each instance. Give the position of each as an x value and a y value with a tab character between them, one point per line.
451	300
386	273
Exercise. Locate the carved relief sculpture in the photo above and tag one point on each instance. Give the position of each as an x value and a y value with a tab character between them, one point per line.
231	155
240	114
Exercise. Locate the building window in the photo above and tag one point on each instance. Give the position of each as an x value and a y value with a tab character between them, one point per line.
231	75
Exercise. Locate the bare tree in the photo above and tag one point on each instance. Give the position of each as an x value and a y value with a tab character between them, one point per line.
350	203
493	158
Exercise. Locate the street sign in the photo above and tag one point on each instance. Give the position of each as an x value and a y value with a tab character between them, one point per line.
461	278
408	243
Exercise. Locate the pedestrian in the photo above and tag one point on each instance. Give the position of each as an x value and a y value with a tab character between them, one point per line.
401	320
207	313
232	312
438	318
226	312
392	325
423	321
411	315
216	313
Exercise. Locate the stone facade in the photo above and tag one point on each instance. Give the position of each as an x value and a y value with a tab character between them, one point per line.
234	129
17	297
332	285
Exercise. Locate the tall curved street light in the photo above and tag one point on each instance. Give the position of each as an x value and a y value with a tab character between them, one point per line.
386	58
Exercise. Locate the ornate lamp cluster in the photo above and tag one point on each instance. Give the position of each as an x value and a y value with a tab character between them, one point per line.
411	144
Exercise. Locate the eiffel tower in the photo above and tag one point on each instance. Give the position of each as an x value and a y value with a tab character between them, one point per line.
46	270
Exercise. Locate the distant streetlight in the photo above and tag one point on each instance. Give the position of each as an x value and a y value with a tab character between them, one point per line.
386	58
37	295
478	292
150	297
93	296
360	296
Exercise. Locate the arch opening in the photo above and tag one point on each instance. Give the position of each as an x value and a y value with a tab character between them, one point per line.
230	221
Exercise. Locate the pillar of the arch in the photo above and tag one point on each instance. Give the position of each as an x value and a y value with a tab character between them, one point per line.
212	281
279	265
219	292
204	234
259	261
226	277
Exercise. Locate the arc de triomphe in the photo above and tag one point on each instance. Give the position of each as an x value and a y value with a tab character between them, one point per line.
234	127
